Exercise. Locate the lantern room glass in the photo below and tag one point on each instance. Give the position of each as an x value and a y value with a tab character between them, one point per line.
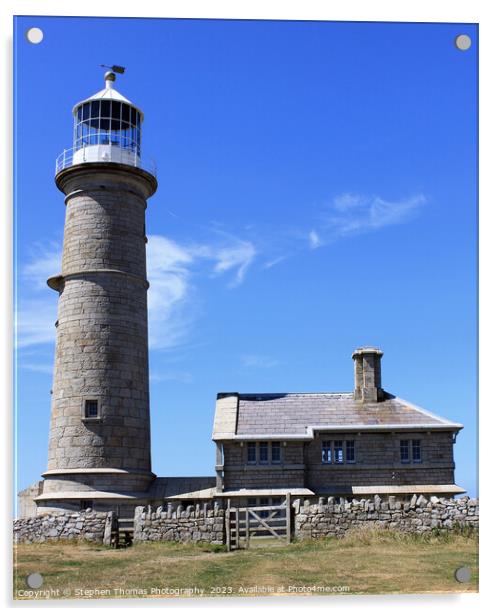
107	122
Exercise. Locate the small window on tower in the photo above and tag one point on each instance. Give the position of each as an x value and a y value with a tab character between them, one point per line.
91	409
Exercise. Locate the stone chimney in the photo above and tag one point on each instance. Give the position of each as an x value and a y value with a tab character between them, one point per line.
367	361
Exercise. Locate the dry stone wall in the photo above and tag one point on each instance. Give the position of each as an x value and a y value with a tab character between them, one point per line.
206	523
167	523
328	518
83	525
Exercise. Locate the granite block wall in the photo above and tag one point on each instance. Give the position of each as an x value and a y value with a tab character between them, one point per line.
193	524
328	518
83	525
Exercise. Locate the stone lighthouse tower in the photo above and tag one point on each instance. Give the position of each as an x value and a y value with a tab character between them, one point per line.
99	444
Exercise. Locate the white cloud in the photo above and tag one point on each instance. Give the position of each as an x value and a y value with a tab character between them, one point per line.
169	316
355	213
181	377
46	262
41	368
171	298
347	201
35	320
272	262
258	361
314	240
172	308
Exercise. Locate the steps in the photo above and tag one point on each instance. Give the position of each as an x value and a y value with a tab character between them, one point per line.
122	537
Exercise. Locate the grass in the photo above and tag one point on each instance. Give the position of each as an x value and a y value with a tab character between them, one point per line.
366	562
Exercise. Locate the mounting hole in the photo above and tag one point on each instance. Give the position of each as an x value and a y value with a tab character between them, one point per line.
34	580
34	35
463	42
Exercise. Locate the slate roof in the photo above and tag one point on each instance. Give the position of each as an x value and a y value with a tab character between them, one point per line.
300	414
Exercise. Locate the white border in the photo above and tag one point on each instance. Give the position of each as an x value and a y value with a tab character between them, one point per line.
360	10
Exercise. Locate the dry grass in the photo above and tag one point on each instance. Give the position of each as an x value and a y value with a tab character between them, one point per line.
365	562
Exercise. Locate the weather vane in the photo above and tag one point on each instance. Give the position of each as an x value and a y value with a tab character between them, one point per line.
115	68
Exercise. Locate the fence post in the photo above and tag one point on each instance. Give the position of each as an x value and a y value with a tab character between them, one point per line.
288	518
236	543
227	525
247	528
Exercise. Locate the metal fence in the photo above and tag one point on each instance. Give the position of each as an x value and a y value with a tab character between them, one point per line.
121	156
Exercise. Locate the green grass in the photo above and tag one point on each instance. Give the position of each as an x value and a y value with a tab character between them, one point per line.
367	562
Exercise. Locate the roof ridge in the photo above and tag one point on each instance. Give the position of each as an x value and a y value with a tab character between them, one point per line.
297	393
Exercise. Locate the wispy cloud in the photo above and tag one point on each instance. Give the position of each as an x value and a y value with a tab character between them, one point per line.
181	377
41	368
172	306
314	240
273	262
45	262
258	361
356	213
171	266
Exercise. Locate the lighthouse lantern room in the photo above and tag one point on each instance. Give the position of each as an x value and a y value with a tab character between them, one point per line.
107	128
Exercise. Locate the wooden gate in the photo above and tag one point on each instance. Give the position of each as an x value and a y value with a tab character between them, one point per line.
242	523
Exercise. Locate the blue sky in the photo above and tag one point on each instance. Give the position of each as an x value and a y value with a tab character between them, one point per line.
317	192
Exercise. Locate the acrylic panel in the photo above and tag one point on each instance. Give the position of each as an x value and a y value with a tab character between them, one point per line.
285	208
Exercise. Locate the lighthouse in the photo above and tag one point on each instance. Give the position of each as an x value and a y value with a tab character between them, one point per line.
99	450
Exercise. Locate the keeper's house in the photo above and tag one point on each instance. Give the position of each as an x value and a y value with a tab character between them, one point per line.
353	444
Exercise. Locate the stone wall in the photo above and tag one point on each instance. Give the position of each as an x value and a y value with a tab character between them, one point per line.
192	524
84	525
332	517
328	518
26	506
377	461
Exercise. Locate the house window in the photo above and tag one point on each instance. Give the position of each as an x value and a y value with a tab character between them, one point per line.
404	451
264	502
251	502
350	452
326	452
86	504
276	452
338	452
416	450
263	452
251	453
91	409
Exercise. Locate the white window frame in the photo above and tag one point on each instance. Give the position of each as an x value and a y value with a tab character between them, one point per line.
340	449
260	449
276	444
352	447
255	449
326	446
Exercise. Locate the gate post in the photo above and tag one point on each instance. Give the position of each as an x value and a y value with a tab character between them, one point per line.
227	525
288	518
236	543
247	528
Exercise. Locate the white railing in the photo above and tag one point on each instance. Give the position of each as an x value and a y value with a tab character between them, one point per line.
103	154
